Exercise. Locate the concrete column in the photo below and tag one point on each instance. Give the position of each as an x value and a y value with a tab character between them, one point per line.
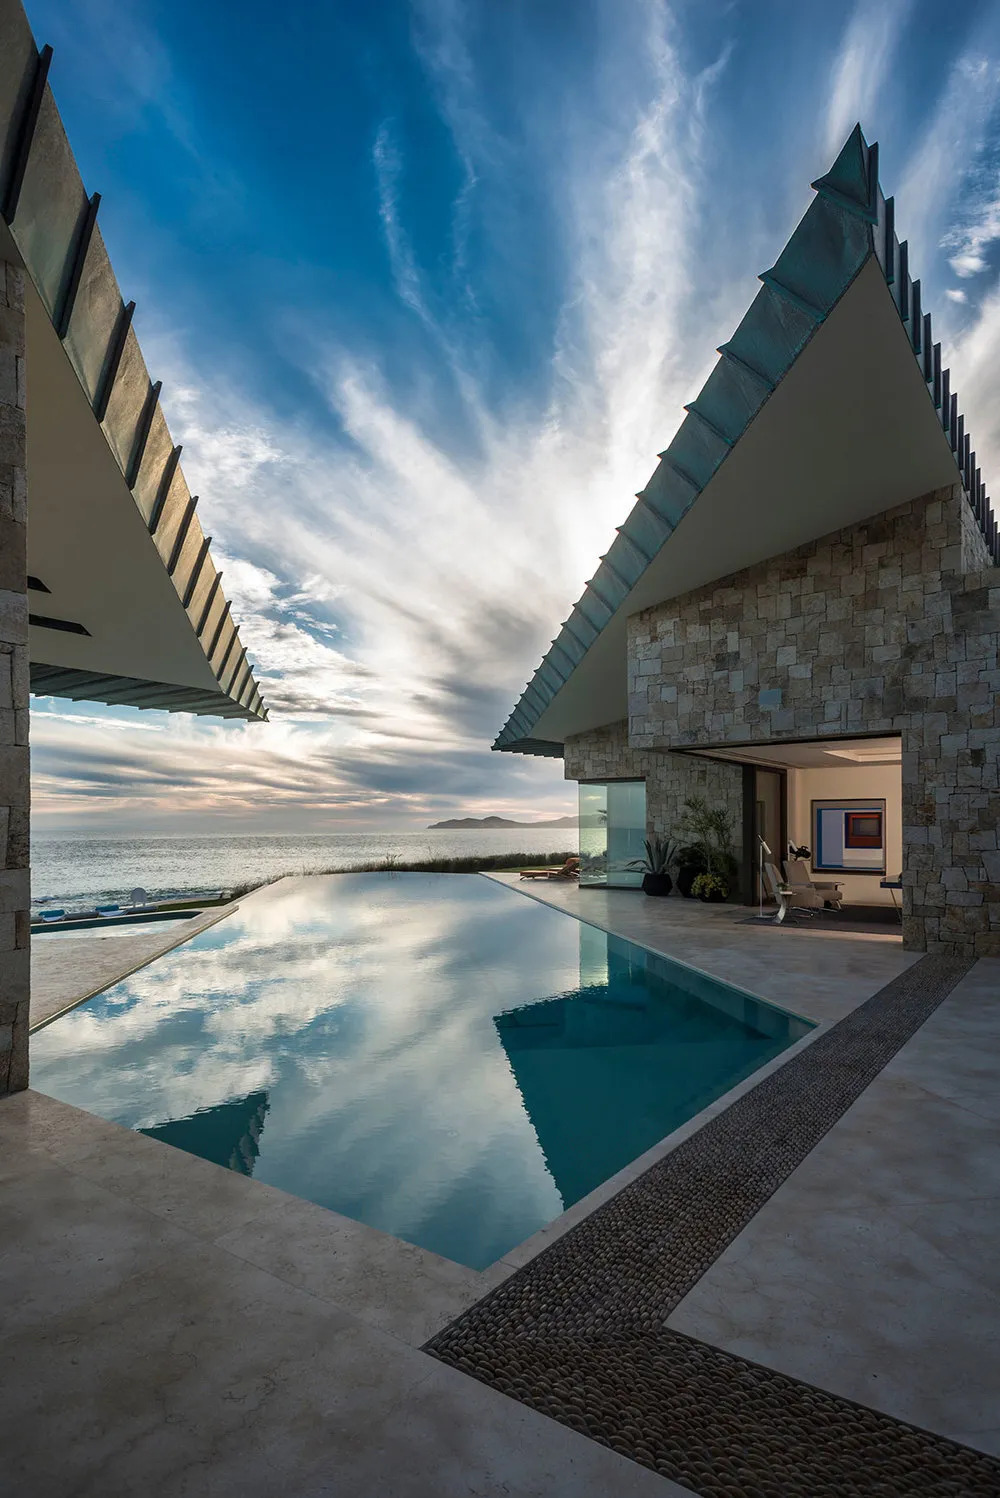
15	894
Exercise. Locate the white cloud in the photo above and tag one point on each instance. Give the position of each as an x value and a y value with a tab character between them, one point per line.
938	185
973	239
388	164
975	364
859	71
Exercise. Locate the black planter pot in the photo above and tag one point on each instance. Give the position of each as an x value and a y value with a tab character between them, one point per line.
686	875
657	884
715	898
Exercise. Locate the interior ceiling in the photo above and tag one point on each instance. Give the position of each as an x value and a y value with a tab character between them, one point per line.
849	432
87	541
823	754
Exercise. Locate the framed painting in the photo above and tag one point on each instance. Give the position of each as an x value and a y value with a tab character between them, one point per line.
848	837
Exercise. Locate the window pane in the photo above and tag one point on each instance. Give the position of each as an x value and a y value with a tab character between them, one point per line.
612	832
593	834
626	830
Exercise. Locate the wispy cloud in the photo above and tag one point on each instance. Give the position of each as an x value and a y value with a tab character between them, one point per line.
860	68
388	165
950	200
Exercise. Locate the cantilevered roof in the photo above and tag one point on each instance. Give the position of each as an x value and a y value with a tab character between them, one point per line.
125	601
828	405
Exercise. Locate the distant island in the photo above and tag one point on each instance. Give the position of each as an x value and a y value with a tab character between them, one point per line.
459	823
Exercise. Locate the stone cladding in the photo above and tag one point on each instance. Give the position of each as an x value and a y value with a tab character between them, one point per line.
15	896
605	754
887	627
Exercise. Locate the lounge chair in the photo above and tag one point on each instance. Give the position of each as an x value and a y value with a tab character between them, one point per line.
569	870
51	915
815	894
786	898
109	911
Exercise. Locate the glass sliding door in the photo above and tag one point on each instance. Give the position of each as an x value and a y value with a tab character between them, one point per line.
612	833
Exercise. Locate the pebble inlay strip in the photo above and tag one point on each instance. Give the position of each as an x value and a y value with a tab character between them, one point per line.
579	1333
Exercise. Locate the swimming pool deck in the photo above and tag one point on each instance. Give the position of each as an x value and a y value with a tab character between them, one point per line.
173	1328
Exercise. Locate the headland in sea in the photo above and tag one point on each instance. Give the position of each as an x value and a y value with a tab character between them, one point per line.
77	870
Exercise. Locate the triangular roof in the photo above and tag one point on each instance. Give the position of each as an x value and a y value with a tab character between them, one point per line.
125	600
845	239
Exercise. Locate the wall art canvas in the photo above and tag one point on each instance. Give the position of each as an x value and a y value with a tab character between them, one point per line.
848	837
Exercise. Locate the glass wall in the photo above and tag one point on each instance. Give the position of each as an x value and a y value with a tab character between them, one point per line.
612	833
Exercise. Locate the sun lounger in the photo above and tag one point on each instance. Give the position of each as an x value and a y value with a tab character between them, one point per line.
51	915
569	870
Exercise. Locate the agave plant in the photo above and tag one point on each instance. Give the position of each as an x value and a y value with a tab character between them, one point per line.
661	855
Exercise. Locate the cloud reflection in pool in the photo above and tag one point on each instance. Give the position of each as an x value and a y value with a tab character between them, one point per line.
437	1056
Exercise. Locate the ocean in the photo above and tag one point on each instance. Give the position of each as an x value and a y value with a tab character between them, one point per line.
81	870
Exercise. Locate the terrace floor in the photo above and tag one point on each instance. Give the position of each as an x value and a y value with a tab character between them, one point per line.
188	1331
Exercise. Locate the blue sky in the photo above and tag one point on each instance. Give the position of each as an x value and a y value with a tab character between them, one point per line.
427	285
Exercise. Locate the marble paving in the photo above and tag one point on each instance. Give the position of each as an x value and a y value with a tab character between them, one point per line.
172	1329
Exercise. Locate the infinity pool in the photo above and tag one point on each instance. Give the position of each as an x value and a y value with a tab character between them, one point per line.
432	1054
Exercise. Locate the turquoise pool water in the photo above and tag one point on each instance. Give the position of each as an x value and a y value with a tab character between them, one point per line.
434	1055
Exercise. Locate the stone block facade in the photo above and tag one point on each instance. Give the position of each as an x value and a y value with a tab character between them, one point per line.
887	627
15	897
671	779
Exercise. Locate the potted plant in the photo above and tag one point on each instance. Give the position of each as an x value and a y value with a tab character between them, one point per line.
712	836
690	863
710	887
661	855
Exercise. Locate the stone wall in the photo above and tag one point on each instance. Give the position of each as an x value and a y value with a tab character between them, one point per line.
14	793
884	627
605	754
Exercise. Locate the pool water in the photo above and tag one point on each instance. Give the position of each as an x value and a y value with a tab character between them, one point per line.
434	1055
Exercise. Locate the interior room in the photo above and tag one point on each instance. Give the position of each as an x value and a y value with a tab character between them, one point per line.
839	803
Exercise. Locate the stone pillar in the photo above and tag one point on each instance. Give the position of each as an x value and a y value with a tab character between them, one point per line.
15	894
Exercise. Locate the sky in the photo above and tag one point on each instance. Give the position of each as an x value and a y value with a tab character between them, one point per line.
427	285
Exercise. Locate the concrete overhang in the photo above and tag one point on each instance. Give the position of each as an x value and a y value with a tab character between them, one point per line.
828	406
125	601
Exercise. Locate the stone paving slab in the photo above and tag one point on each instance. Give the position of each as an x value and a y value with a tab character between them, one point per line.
145	1358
